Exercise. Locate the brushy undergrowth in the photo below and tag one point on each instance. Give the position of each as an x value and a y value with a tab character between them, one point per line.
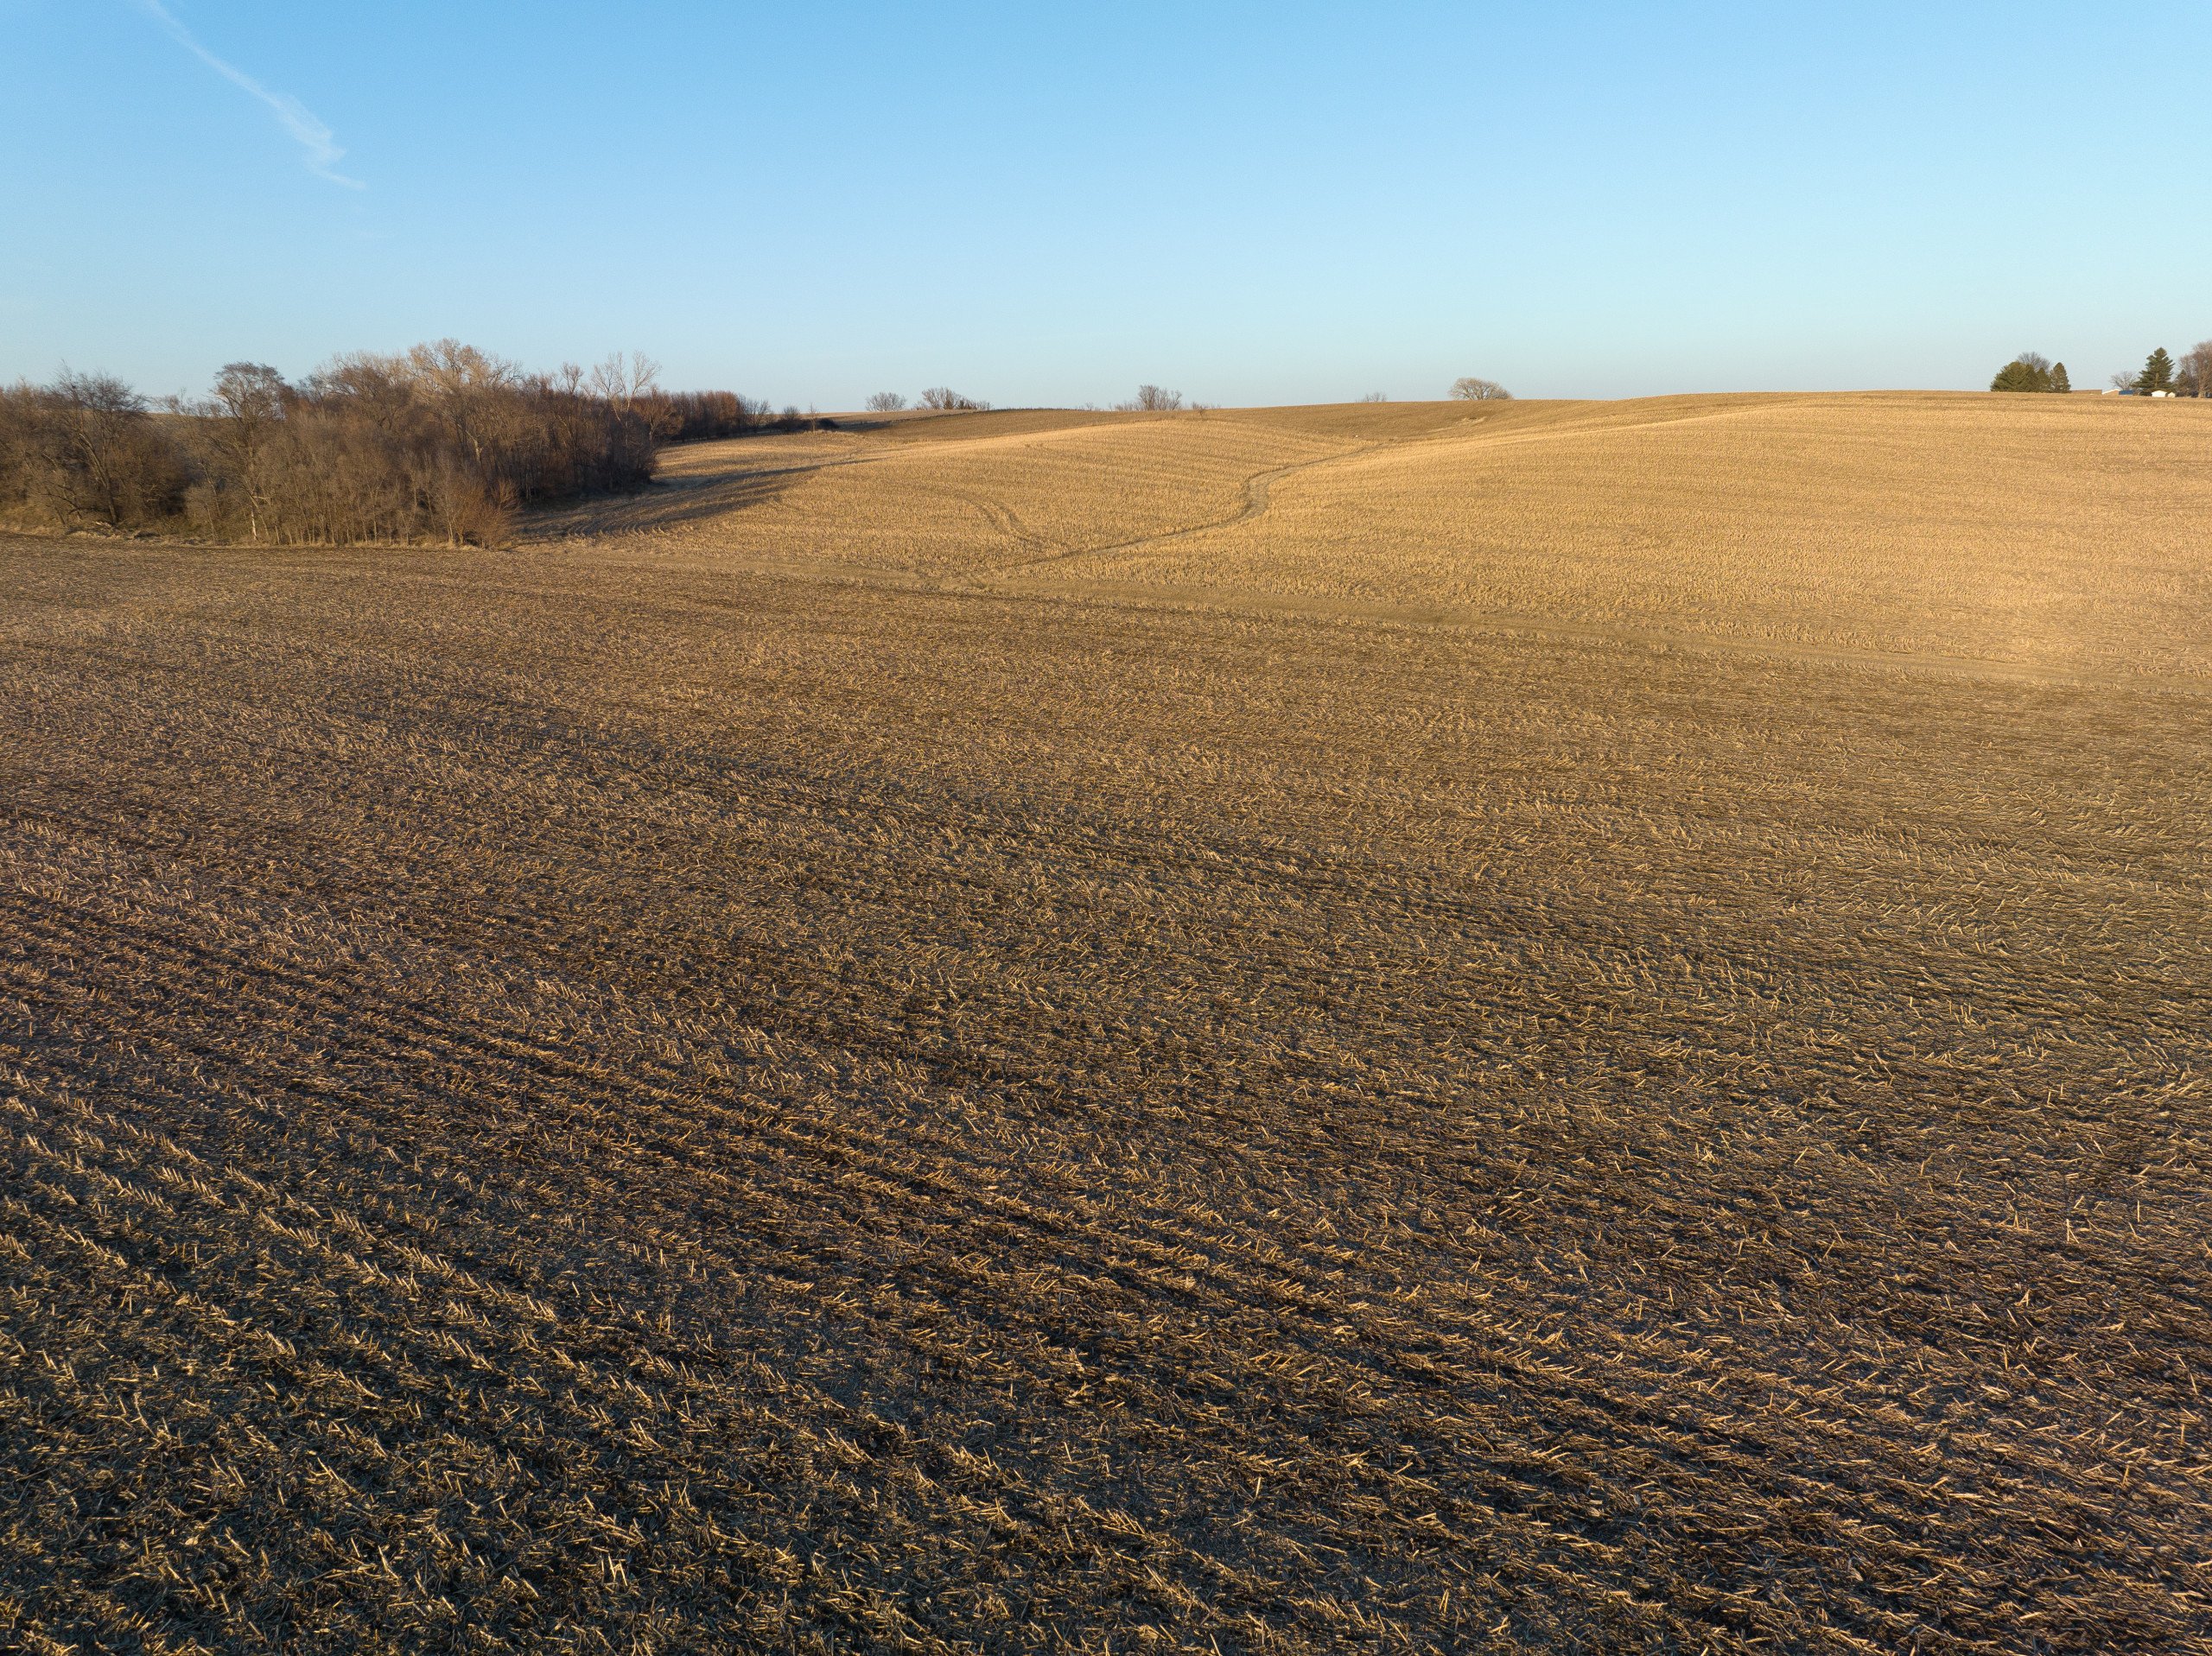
442	443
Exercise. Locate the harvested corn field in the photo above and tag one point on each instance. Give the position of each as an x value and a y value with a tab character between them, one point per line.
1261	1031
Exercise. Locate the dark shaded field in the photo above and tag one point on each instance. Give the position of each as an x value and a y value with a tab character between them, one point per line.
581	1099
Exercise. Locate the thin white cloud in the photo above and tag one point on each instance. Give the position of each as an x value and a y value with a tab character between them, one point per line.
323	149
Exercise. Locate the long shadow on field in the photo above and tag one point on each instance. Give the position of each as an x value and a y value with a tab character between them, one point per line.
672	502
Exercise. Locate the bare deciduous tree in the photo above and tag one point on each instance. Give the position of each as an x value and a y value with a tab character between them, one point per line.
1376	396
18	429
95	455
1153	399
1470	389
2194	377
461	386
943	397
885	402
687	417
375	387
247	401
623	379
444	442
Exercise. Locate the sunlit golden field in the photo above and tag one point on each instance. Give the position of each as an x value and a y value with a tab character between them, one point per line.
2064	534
2067	535
1406	1027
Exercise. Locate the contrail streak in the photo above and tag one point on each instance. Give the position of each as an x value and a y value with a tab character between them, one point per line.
323	149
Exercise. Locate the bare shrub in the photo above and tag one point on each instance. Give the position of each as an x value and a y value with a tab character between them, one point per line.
466	507
946	400
1469	388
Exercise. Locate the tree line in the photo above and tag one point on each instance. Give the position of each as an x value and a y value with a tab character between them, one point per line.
442	442
941	399
2160	374
2190	376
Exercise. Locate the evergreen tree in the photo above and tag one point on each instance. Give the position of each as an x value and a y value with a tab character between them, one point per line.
2158	373
2031	371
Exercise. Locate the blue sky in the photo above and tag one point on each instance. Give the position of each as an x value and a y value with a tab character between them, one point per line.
1048	204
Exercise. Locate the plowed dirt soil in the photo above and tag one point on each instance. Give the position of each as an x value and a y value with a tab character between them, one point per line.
1577	1026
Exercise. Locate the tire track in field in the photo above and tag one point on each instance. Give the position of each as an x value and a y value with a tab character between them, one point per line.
1256	489
1022	579
1000	515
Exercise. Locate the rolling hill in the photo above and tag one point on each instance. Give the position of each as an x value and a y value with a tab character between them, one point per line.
1404	1027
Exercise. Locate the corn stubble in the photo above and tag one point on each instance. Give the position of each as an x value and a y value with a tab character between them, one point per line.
801	1066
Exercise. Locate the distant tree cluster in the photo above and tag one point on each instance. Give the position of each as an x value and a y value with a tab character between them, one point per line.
2161	376
2193	373
941	399
691	416
1471	389
2031	372
440	443
1152	399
